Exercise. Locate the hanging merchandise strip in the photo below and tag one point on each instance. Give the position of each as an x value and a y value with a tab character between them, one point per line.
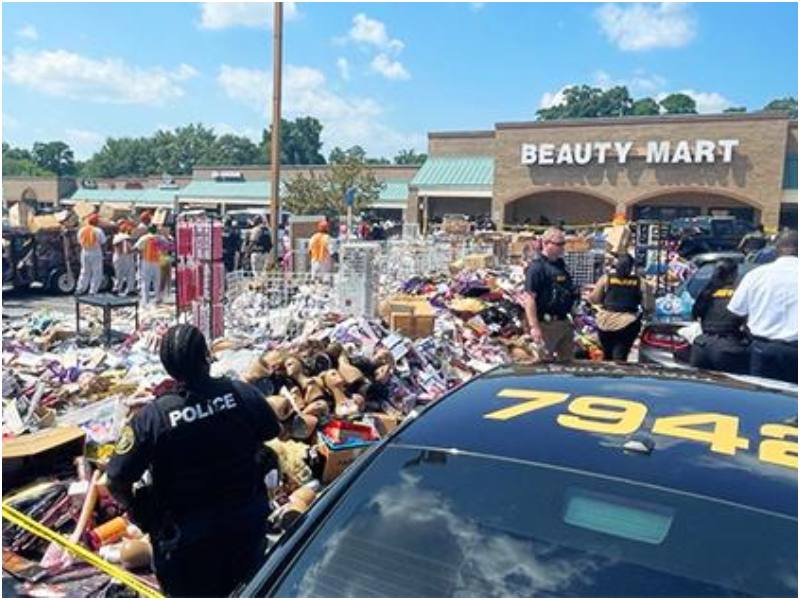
40	530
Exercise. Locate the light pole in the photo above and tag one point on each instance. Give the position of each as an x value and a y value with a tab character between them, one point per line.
274	205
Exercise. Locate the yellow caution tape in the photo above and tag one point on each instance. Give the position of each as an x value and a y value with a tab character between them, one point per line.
121	575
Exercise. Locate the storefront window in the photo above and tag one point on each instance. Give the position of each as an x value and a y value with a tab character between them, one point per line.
665	213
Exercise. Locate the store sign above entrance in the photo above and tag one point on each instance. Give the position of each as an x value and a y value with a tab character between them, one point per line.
655	152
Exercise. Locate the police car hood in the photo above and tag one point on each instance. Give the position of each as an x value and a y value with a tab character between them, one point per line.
467	420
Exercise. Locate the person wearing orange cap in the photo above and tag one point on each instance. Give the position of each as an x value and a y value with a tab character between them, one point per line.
91	239
150	246
123	261
144	222
319	250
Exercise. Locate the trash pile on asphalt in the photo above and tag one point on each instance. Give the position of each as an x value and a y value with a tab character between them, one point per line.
338	383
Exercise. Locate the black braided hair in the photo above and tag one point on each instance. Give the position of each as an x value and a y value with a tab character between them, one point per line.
184	354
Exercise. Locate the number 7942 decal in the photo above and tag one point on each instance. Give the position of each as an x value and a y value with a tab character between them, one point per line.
616	416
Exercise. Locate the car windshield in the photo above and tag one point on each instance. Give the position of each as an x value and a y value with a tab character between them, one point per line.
424	522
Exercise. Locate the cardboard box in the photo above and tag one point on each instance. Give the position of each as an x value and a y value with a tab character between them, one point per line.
384	423
336	461
112	211
414	319
18	215
353	440
455	225
33	455
43	222
577	244
83	209
517	249
478	261
160	216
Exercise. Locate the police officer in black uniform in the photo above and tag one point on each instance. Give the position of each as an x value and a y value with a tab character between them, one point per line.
621	296
206	508
722	346
550	295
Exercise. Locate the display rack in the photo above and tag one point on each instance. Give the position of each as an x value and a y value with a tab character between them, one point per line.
200	279
650	239
357	280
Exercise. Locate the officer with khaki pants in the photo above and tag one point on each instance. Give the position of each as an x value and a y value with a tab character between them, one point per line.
550	295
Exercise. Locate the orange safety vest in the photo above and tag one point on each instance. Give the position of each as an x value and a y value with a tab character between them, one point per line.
151	250
87	237
318	247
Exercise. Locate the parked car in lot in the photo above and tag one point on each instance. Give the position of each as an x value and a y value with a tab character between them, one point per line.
697	235
48	257
660	341
593	480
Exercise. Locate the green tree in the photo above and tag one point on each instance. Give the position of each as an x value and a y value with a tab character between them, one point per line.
735	109
679	104
122	156
378	161
645	106
788	104
56	157
235	150
194	145
18	162
352	154
300	142
409	157
324	193
583	101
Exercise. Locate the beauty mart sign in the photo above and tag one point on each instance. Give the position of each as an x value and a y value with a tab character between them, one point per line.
656	152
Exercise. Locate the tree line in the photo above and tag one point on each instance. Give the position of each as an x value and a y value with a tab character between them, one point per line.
178	151
583	101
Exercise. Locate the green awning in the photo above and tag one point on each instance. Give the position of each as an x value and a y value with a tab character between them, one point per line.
143	197
394	194
220	191
456	172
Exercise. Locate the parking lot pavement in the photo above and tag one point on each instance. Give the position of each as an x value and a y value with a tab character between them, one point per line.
18	303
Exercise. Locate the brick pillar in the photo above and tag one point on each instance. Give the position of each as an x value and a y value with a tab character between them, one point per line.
412	204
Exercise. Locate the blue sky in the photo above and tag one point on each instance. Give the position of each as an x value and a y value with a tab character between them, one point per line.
381	75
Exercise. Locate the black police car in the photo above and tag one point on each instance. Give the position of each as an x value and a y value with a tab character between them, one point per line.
575	480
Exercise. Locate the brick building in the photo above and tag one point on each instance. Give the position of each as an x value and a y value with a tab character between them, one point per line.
587	170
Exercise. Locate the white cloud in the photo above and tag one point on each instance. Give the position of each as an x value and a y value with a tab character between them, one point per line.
707	102
344	68
476	6
639	83
108	80
635	27
372	32
551	99
225	129
83	142
347	120
390	69
221	15
28	32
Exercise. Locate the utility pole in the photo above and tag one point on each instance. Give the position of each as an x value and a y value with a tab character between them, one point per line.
277	60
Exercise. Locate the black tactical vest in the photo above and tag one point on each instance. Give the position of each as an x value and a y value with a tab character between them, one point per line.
624	294
556	301
718	320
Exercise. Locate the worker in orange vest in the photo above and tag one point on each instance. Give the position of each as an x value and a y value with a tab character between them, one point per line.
91	239
150	246
319	249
